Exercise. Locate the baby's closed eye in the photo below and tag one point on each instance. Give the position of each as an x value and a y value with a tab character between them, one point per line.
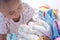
11	13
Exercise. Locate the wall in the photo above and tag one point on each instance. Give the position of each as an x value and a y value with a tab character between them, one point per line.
36	3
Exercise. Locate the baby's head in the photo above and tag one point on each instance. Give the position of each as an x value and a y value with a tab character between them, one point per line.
11	8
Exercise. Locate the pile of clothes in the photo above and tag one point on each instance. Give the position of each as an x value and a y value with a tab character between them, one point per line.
44	27
51	19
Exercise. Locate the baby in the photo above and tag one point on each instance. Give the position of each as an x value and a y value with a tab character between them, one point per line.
13	13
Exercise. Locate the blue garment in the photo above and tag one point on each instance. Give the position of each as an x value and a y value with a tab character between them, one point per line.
11	37
51	14
55	33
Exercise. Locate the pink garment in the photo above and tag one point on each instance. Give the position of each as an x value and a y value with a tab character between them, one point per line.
57	24
57	38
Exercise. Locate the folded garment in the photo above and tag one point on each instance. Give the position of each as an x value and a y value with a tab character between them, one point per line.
45	25
55	32
12	37
27	33
33	31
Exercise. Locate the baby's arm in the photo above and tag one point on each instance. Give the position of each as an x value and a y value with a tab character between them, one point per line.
3	30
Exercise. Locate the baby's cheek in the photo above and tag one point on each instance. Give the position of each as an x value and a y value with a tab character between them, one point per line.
16	15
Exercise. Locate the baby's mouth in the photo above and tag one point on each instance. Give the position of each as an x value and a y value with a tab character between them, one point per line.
16	19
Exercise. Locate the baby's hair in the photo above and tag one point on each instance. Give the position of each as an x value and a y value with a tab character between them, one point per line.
4	0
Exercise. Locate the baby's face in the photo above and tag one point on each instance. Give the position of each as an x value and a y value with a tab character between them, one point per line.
11	8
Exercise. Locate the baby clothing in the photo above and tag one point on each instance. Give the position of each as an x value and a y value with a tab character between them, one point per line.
3	28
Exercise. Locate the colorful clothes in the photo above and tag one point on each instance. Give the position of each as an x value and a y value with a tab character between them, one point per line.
50	19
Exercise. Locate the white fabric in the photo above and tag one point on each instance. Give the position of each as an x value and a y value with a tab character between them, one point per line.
45	27
27	33
3	29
